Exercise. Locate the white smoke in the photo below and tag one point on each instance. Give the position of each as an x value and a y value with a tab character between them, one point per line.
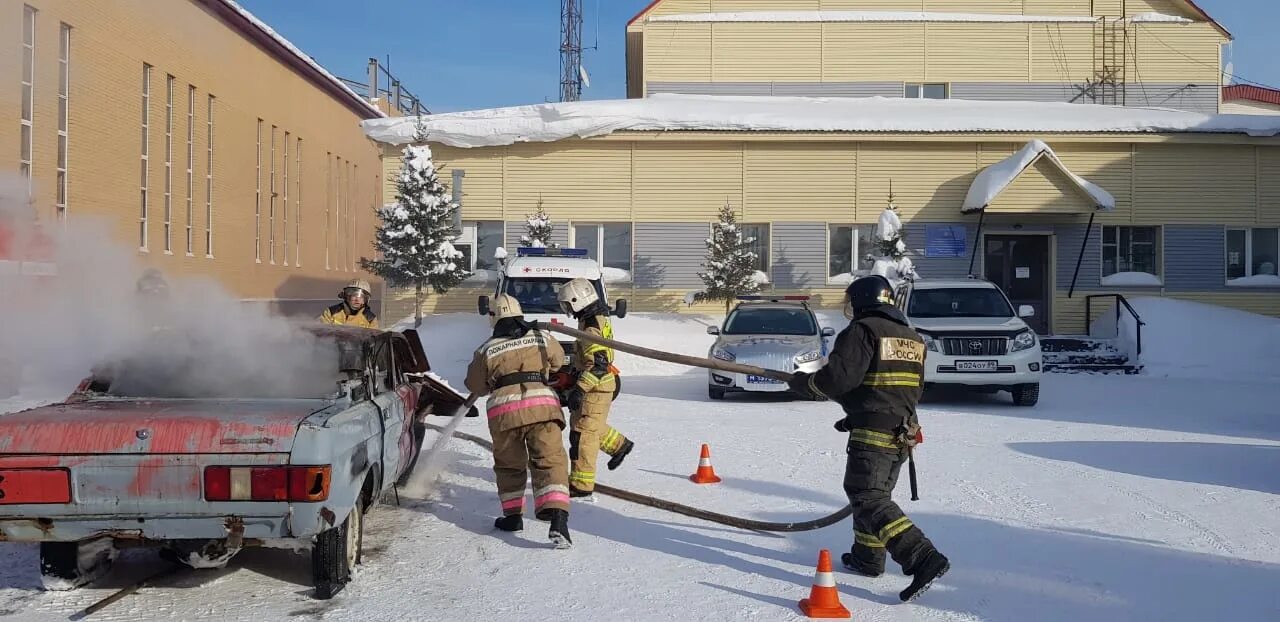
199	341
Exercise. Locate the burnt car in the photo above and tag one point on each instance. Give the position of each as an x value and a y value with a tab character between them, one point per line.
134	458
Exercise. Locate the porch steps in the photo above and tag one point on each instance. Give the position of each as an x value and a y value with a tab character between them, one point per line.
1071	354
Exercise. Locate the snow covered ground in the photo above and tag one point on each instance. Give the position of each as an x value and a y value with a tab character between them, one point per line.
1117	498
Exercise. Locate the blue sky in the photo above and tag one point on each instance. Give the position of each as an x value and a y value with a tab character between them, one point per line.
460	55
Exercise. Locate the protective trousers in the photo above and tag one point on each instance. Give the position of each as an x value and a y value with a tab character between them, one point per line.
590	433
879	524
536	448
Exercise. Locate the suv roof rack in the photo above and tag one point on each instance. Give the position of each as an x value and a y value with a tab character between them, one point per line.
538	251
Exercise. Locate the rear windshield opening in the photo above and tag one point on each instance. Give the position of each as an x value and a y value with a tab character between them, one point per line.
770	322
538	295
959	302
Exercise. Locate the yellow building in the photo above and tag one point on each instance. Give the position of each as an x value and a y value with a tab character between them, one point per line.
1192	207
209	143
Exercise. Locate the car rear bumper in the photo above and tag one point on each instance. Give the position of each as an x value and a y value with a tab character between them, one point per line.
76	528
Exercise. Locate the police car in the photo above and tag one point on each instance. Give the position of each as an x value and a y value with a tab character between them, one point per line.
534	277
779	333
973	337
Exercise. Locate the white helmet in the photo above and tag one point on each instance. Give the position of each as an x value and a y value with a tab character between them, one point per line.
577	295
503	307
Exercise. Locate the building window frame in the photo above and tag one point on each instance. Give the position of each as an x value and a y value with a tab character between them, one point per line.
208	180
169	82
271	202
762	247
26	120
1248	242
64	117
297	217
284	202
1121	251
191	167
855	248
328	206
922	90
145	181
257	201
468	242
601	236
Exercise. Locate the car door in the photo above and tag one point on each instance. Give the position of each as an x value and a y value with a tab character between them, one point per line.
391	400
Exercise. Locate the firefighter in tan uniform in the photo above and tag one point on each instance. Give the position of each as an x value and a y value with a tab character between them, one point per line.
596	387
525	419
354	309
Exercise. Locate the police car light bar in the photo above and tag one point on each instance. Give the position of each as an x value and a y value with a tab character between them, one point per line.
532	251
774	298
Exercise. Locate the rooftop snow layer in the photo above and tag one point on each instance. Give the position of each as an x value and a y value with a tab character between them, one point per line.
868	16
995	178
669	112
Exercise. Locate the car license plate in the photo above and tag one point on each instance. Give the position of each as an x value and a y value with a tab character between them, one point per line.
762	380
34	486
976	365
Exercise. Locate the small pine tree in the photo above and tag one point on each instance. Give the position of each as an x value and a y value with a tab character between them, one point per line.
538	229
415	237
730	266
892	261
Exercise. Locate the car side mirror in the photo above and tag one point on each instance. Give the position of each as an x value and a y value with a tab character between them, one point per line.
620	309
1026	311
713	330
828	332
482	305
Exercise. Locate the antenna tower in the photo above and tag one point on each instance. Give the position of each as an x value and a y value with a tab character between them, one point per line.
570	50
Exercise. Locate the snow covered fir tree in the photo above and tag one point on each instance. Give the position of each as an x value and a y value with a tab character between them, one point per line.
538	229
891	260
730	266
415	236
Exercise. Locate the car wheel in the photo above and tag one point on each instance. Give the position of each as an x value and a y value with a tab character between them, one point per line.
336	553
69	565
1026	394
715	393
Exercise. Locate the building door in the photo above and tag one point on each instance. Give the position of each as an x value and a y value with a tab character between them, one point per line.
1019	264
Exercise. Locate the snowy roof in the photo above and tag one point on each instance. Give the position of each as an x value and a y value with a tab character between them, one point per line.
869	16
670	112
335	85
996	178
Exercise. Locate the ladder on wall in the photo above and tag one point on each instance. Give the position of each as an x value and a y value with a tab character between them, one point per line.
1110	59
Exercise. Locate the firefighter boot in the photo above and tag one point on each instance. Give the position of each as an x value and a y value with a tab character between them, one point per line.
514	522
924	574
616	460
559	532
866	568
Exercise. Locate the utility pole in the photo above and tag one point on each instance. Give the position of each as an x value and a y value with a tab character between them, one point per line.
570	50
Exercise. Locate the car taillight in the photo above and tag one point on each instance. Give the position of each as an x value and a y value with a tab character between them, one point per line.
273	483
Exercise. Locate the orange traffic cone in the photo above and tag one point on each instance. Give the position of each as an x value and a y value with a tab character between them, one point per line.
824	598
705	474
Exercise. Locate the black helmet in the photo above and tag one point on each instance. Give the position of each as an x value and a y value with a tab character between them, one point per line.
869	291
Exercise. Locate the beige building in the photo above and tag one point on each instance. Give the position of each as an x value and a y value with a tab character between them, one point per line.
1194	200
210	144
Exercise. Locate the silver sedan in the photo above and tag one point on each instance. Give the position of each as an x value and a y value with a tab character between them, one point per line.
775	333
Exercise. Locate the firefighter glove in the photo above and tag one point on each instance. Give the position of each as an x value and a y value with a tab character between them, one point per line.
799	384
574	400
842	425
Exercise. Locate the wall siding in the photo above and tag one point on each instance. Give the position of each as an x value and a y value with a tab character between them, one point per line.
929	181
764	52
799	182
1159	52
669	254
675	182
1269	186
677	51
1201	98
799	255
1062	52
1194	257
952	56
572	182
1195	184
1068	239
872	52
1042	189
934	267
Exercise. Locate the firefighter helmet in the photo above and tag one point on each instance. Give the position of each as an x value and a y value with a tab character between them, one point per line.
867	292
577	295
503	307
359	284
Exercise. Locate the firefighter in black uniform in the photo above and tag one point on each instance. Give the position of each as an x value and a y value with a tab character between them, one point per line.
876	373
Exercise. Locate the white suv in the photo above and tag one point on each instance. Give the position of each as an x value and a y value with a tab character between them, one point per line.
974	337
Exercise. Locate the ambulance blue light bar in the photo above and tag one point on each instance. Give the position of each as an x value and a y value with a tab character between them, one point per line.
774	298
531	251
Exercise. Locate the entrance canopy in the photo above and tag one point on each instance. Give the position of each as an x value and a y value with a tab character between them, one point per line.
997	178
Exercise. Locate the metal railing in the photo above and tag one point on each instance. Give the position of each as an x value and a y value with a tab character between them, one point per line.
1120	301
382	84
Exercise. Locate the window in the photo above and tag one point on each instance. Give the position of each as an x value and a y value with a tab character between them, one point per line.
191	165
1130	249
842	251
146	153
328	203
926	91
297	217
959	302
477	243
208	184
28	91
271	210
759	244
284	204
257	201
168	165
1252	252
64	100
749	320
609	244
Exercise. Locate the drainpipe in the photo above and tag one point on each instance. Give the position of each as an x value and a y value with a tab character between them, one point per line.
977	240
1083	245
